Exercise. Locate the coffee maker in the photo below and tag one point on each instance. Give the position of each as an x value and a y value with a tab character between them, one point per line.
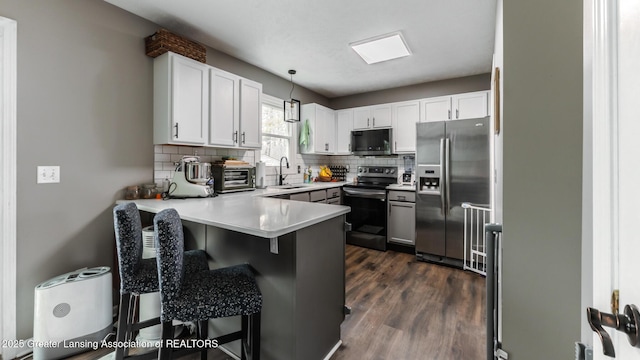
191	179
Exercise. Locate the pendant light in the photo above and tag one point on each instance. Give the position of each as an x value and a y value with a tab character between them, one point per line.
291	106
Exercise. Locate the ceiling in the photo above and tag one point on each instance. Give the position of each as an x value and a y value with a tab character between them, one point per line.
447	38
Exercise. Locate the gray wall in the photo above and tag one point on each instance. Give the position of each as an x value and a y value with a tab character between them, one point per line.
542	177
271	84
85	104
85	91
414	92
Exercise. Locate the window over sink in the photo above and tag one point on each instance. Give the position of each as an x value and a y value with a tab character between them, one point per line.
277	135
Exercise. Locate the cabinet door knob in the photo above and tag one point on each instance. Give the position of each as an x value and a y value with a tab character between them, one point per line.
176	126
235	136
243	137
449	114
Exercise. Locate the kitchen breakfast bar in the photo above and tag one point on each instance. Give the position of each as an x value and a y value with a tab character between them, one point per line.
297	250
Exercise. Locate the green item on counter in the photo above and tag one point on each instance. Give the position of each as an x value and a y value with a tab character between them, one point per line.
304	133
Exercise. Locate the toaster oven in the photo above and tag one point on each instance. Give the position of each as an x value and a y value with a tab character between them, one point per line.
233	178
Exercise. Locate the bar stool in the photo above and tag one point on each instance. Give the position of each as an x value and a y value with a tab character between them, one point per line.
211	294
138	276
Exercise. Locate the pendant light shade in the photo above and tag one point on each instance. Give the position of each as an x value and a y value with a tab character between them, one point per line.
291	106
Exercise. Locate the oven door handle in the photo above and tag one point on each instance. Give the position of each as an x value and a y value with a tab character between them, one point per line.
380	195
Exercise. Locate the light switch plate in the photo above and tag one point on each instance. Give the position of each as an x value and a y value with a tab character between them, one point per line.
48	174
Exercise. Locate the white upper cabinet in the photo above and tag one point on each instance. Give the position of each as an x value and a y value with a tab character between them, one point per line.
461	106
224	114
322	129
235	118
250	131
470	105
436	109
371	117
196	104
405	116
344	125
180	100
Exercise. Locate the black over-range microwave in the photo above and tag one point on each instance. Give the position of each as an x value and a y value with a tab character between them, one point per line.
371	142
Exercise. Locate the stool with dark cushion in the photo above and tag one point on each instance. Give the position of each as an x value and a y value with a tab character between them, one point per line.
137	275
211	294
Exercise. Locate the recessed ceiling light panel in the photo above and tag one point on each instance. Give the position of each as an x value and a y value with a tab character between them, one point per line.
381	48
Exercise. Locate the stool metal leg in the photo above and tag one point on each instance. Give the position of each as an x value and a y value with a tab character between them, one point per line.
165	351
244	339
250	342
254	321
203	333
124	319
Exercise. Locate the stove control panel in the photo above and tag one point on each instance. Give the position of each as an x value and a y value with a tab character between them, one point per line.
377	171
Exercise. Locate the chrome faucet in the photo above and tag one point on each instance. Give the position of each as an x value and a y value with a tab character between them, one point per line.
280	177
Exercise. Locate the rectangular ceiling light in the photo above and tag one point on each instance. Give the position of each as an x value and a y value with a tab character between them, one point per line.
381	48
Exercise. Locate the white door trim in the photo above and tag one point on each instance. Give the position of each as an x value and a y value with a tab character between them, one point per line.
8	166
600	172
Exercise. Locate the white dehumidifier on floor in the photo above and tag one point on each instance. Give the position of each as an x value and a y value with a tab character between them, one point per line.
73	313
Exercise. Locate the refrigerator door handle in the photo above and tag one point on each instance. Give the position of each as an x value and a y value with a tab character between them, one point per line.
447	174
443	170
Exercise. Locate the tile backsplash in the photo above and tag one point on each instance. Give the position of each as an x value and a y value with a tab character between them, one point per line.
166	157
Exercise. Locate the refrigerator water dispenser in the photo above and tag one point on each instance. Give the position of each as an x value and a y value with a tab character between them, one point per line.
429	179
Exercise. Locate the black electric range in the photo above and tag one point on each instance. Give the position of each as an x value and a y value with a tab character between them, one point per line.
367	197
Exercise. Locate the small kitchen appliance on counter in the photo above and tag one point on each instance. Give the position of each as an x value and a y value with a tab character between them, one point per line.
234	175
407	175
191	179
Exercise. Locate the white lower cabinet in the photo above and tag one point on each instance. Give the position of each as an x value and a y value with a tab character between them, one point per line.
318	196
303	196
329	196
401	217
334	196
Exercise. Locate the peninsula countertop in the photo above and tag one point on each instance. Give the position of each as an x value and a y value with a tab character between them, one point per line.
251	212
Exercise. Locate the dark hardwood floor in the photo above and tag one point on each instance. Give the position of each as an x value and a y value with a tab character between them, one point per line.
406	309
402	309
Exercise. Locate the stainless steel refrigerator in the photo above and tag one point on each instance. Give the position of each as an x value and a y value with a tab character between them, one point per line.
452	167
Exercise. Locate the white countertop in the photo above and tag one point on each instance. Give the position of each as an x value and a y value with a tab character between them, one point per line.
252	212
